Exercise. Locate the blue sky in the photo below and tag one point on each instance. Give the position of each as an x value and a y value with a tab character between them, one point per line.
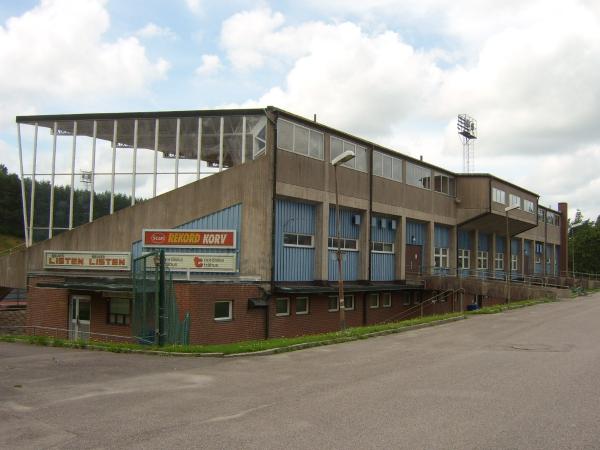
395	72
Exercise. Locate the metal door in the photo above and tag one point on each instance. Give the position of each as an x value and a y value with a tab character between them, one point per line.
413	259
79	317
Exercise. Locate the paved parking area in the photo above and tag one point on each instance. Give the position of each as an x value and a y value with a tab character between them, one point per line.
523	379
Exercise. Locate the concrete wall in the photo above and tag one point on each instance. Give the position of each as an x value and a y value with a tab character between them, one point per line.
12	318
249	184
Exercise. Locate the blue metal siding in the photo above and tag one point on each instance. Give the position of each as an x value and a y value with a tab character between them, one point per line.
225	219
515	247
350	259
294	263
549	257
441	236
464	240
416	230
556	260
484	243
382	264
500	244
538	267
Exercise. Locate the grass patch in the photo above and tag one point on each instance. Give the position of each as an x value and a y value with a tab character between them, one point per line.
505	307
281	344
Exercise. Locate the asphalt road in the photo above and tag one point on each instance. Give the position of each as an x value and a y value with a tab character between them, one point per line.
527	379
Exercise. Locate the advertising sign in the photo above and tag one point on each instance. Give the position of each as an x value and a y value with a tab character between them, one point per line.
59	259
189	238
199	262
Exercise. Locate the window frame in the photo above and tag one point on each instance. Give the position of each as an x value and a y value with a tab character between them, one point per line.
310	132
441	254
357	148
482	256
126	317
331	239
499	261
287	304
514	263
498	196
386	301
305	311
383	245
297	235
444	180
337	303
420	181
371	296
464	254
514	200
392	160
528	206
223	319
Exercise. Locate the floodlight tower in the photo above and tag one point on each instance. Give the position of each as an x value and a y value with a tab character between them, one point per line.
467	130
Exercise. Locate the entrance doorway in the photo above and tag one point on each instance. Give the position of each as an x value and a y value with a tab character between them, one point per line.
79	317
413	259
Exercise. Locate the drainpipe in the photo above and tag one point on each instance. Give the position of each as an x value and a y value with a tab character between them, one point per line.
273	122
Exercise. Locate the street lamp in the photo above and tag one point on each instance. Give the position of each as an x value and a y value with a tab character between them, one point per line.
340	159
509	245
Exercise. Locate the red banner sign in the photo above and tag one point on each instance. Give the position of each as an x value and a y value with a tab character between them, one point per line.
189	238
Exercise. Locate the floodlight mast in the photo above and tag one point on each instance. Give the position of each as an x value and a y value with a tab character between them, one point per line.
467	131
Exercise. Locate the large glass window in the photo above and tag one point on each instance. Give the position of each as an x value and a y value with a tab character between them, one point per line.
528	206
441	257
514	200
499	196
482	260
418	176
464	258
444	184
387	166
499	261
299	139
339	146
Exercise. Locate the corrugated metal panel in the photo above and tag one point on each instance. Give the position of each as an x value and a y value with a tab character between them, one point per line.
500	244
538	267
441	236
549	257
380	234
464	240
347	228
515	246
382	267
484	242
225	219
294	263
382	264
349	265
416	230
556	260
528	248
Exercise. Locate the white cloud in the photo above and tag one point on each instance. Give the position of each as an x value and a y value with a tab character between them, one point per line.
56	52
195	6
525	70
151	30
211	65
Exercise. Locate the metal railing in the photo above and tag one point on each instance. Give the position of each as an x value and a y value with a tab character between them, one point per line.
10	251
68	331
439	297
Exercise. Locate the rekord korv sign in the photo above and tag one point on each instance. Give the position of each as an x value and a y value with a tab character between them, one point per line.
194	239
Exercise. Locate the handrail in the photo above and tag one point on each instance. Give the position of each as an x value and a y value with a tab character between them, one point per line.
420	305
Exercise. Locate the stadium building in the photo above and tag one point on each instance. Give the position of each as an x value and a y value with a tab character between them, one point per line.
221	226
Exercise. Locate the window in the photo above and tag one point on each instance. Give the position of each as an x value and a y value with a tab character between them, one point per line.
298	139
539	248
444	184
301	305
514	263
349	302
387	166
464	258
387	300
528	206
514	200
333	304
499	196
418	176
406	301
339	146
223	310
382	247
282	307
297	240
482	260
499	261
541	215
441	257
119	312
345	244
373	301
551	218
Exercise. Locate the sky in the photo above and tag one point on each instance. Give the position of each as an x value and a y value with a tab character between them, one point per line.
394	72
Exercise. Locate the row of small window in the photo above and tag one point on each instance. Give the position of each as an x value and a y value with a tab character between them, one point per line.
550	217
308	142
282	305
499	196
464	260
307	241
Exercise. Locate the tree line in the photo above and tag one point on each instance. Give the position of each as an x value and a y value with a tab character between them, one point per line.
11	208
584	244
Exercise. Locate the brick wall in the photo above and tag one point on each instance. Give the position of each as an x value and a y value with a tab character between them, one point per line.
99	322
199	299
47	307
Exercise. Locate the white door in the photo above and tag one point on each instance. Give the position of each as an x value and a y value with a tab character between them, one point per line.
79	317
